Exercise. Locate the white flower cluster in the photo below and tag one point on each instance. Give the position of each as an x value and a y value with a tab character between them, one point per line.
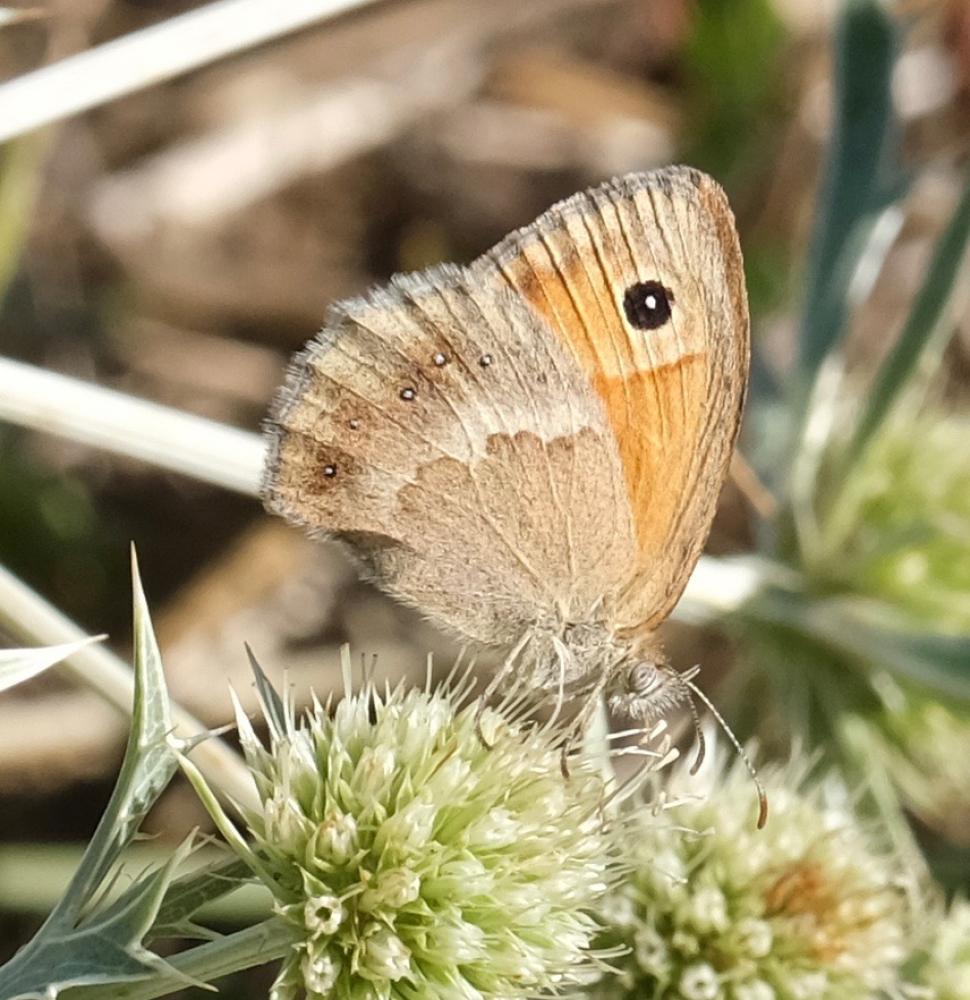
806	909
414	862
945	974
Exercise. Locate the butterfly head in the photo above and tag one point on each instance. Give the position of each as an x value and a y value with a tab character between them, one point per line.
646	688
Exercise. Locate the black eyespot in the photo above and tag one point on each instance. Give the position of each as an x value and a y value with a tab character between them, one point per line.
647	305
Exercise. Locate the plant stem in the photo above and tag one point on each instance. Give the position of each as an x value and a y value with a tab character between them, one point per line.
152	55
168	438
27	615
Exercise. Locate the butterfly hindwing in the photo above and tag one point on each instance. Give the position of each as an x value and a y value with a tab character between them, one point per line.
440	428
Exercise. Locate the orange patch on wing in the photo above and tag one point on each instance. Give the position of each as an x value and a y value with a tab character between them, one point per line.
567	300
655	416
654	413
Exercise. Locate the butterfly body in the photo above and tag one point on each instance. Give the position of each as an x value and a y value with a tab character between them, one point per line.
529	449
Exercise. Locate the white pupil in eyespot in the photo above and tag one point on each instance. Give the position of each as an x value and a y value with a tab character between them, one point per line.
651	301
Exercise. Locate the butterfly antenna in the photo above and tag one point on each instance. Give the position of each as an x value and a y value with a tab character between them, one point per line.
685	678
699	733
746	760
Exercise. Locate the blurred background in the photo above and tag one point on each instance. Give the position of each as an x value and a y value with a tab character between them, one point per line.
180	242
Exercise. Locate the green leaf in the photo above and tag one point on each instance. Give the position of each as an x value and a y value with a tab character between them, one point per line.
860	178
730	64
245	949
19	665
187	895
149	761
21	172
107	948
273	707
878	635
853	216
78	943
884	637
919	349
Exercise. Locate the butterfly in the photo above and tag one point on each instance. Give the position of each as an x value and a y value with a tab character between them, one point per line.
529	449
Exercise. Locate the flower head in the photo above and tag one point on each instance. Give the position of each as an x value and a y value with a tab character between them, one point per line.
898	528
412	861
924	745
899	533
946	972
805	908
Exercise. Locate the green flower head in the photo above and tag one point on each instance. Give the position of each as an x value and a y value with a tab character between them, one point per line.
899	531
924	745
411	861
805	909
945	974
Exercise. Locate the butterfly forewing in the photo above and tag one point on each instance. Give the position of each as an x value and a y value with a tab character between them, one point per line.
673	391
538	438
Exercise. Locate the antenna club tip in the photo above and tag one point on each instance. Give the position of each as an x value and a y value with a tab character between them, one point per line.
762	811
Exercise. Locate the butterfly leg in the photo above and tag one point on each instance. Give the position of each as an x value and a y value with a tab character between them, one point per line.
502	675
560	695
579	725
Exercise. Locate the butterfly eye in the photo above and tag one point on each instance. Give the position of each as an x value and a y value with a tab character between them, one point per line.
644	677
647	305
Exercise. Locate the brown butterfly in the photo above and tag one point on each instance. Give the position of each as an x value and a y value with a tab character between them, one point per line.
529	449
